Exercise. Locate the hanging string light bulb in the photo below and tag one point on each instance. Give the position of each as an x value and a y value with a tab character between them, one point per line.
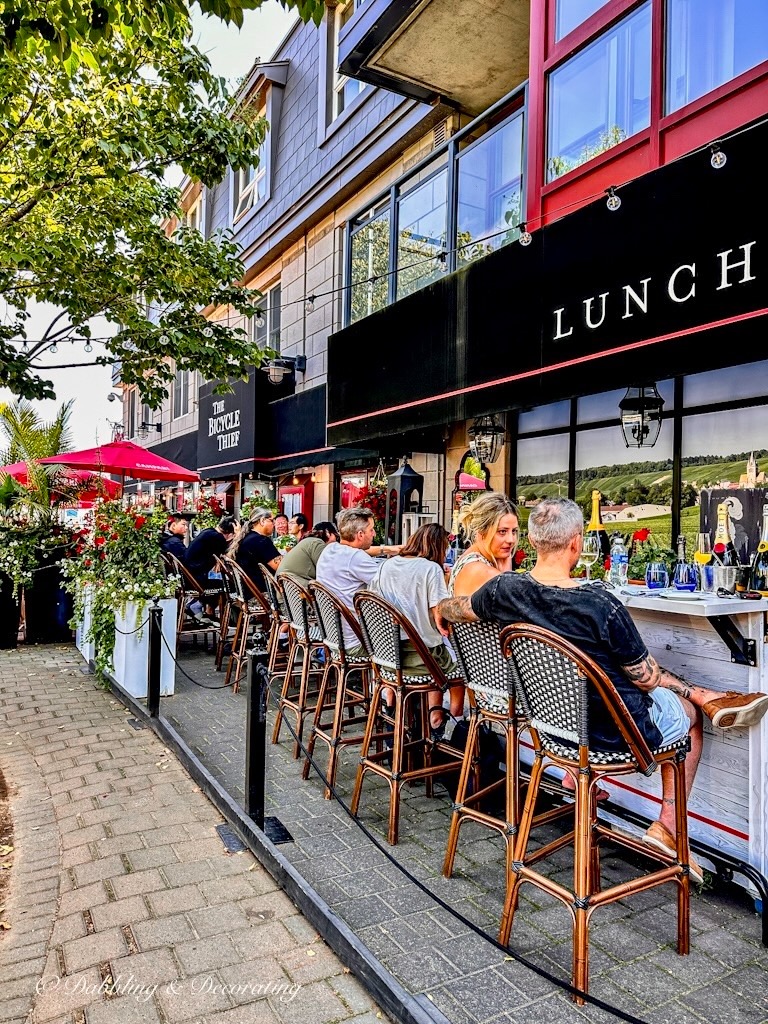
88	347
207	332
718	159
613	202
54	348
525	235
259	319
310	303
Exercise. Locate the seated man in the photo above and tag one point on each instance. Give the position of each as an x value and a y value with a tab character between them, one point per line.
664	706
201	555
172	540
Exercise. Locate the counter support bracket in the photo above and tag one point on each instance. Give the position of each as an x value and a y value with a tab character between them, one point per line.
743	651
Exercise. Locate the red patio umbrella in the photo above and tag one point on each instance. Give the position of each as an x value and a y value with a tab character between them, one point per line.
124	458
95	485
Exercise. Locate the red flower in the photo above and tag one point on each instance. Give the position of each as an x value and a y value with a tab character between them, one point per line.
99	541
641	535
140	520
518	558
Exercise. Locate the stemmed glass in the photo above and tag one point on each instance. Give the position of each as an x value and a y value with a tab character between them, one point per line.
590	551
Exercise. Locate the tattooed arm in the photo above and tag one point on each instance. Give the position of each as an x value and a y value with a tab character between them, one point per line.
645	674
454	609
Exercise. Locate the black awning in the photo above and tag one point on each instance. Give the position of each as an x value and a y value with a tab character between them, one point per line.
181	449
290	463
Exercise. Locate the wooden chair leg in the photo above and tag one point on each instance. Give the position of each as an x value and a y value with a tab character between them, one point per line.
582	882
317	722
235	641
683	854
470	754
285	690
514	878
366	746
337	726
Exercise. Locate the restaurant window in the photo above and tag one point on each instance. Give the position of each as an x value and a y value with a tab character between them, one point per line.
490	175
542	467
601	96
249	184
726	385
265	329
544	417
130	418
569	14
605	404
421	235
350	487
180	393
343	89
710	42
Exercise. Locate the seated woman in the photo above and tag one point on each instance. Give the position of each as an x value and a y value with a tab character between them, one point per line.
414	582
301	561
492	526
253	547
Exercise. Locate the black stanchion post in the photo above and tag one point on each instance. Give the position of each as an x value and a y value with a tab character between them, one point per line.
155	652
256	739
256	744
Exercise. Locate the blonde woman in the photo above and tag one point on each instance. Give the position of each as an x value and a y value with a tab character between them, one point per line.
492	526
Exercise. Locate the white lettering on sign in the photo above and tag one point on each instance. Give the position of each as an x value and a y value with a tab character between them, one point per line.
227	421
634	300
228	440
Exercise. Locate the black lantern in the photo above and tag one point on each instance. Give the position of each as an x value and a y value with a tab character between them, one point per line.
641	416
404	490
486	438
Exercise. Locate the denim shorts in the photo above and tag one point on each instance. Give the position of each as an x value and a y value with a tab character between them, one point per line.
668	715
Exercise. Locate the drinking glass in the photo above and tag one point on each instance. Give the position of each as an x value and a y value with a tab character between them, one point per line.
705	563
684	576
590	551
656	576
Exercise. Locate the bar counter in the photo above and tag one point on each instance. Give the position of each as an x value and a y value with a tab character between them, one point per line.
718	643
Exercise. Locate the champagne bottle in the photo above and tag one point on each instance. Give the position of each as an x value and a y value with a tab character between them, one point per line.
595	526
723	548
758	575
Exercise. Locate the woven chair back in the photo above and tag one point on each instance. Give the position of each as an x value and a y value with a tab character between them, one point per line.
299	603
552	678
484	667
331	616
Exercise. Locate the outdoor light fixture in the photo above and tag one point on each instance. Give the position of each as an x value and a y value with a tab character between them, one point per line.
718	159
613	202
114	396
486	438
144	428
279	367
641	416
525	237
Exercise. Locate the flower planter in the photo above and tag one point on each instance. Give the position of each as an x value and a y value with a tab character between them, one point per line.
47	606
9	614
86	647
131	656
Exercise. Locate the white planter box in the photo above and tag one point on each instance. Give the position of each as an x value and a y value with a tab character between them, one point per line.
131	657
86	647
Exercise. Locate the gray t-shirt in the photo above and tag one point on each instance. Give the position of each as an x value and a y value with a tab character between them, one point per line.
413	586
345	570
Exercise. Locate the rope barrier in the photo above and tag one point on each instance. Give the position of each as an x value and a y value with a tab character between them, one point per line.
223	686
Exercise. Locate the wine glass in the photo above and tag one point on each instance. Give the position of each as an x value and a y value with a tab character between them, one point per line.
590	551
705	562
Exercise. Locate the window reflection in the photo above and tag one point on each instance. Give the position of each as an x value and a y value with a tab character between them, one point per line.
605	405
639	479
545	417
571	13
601	96
727	385
710	42
490	182
421	235
370	266
542	467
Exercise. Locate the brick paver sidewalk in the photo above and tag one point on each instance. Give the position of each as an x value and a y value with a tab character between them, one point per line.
125	905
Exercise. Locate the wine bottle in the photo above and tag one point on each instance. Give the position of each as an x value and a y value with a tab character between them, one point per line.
723	548
595	526
758	575
684	576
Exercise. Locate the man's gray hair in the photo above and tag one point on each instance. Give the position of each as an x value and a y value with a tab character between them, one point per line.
351	521
553	523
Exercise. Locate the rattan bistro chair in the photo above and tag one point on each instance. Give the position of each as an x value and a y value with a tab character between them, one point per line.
347	677
411	755
190	589
278	658
491	702
253	613
552	680
306	639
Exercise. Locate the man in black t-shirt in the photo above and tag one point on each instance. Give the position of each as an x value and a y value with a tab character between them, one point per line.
663	705
208	545
255	547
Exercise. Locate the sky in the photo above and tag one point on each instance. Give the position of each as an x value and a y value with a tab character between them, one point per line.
231	52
